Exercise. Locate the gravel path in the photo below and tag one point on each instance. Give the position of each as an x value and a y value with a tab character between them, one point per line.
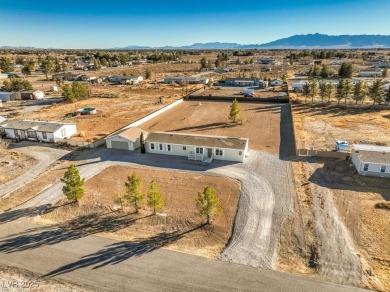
45	156
338	260
263	203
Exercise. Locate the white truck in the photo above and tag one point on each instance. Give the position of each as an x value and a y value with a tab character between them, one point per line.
342	146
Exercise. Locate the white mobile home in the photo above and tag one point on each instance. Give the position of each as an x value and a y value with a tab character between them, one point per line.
276	82
37	130
370	73
127	139
197	147
371	160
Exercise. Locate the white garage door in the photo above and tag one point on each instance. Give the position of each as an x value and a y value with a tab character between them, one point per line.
120	145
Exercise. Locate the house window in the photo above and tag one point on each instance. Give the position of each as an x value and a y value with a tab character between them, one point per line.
240	153
63	132
160	147
365	167
16	133
184	147
31	134
383	168
44	135
199	150
218	152
169	147
152	146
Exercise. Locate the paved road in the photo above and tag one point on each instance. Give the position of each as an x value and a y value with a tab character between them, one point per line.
105	264
45	155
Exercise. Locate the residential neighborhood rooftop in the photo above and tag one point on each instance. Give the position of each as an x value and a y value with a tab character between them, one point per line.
198	140
131	134
44	126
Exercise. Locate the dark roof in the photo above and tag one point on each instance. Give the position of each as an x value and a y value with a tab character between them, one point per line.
198	140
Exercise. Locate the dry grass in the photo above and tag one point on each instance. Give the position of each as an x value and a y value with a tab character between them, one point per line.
182	220
13	164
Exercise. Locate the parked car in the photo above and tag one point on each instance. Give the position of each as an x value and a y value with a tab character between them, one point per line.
342	146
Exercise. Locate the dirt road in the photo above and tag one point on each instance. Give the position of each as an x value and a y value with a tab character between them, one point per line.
46	155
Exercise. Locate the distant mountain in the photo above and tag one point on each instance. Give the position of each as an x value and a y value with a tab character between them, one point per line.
330	41
15	47
132	47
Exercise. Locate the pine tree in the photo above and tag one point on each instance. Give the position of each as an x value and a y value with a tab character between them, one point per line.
234	111
376	91
329	91
142	142
148	74
313	89
208	204
155	199
73	188
133	191
306	90
359	91
5	65
384	73
322	90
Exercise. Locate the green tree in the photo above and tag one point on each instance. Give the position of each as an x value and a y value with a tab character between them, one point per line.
376	91
76	91
73	188
28	67
134	194
217	63
306	90
48	67
324	71
119	198
347	90
142	142
5	65
322	88
384	73
329	91
16	84
360	91
155	199
340	90
284	78
208	204
148	73
234	111
313	89
203	63
346	70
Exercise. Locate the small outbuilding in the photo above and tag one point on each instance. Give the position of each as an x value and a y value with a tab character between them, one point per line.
371	160
276	82
126	139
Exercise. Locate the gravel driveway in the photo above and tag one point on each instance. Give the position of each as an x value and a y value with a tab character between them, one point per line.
46	155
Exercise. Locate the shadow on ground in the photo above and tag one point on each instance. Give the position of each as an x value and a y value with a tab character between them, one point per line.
121	251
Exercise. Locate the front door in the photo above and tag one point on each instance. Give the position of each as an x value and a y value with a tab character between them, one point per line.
209	152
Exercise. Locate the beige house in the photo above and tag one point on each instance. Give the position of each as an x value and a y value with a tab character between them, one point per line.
197	147
127	139
371	160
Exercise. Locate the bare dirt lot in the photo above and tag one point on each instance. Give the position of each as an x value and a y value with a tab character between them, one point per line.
262	123
319	127
182	220
13	164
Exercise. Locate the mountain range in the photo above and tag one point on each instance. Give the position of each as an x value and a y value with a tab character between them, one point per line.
308	41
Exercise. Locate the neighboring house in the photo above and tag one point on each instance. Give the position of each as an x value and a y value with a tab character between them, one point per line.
37	130
8	96
127	139
66	76
197	147
276	82
125	79
298	87
32	94
190	80
266	61
242	82
371	160
370	73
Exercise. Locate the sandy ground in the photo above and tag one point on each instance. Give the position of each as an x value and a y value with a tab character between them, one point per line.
15	280
320	127
179	190
261	122
13	164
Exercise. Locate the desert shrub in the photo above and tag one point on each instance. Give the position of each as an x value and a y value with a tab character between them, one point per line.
383	205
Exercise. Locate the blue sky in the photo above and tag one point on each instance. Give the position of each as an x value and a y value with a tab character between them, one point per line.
113	23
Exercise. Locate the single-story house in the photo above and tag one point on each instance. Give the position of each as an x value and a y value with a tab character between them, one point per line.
125	79
190	80
242	82
67	76
37	130
197	147
127	139
298	87
276	82
8	96
371	160
370	73
266	61
31	94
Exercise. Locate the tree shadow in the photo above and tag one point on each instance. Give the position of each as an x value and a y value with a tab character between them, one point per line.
205	127
16	214
120	251
70	230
